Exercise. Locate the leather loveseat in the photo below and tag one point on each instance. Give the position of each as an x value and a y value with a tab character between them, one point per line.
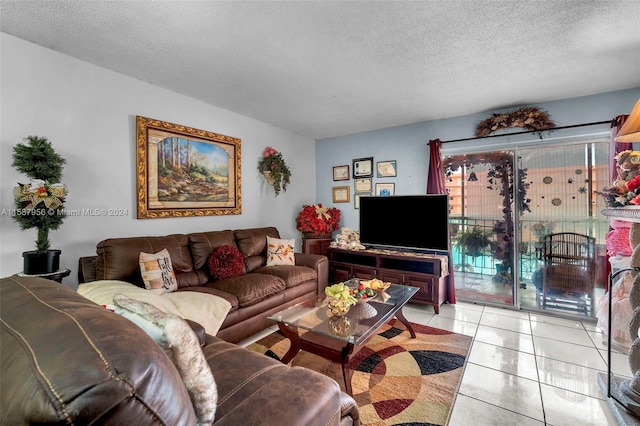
261	291
66	360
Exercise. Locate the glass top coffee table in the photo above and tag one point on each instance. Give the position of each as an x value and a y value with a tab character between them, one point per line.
338	338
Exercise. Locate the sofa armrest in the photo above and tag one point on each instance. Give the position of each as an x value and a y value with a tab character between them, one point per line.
299	396
87	269
350	412
321	265
198	329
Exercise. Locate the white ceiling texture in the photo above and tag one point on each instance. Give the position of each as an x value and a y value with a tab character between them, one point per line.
331	68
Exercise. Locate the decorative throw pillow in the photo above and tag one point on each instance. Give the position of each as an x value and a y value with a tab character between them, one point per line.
280	252
157	272
179	342
226	261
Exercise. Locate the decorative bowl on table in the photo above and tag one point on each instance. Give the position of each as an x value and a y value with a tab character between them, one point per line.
362	293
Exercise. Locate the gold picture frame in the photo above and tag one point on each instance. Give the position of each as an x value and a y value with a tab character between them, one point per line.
182	171
340	194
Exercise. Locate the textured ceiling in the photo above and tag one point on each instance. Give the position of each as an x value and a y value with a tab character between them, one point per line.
331	68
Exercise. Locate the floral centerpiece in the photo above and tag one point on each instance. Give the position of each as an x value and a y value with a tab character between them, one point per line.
275	169
317	220
39	203
340	299
625	190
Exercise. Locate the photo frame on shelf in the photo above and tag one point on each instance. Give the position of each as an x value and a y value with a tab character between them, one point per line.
363	167
341	172
161	146
340	194
385	189
363	185
386	169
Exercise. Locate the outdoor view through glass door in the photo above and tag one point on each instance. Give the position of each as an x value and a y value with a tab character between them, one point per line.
504	203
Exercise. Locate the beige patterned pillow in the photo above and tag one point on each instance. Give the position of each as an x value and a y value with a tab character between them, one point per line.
180	343
280	252
157	272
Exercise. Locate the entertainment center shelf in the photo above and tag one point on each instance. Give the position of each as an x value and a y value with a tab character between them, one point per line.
426	271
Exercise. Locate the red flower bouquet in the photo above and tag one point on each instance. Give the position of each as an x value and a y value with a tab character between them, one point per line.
318	220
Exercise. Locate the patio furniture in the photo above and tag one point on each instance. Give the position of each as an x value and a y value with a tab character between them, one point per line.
568	272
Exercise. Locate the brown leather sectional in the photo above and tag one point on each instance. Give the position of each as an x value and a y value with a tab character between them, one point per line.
260	292
66	360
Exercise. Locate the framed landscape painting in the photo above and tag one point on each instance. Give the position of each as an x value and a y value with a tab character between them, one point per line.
183	171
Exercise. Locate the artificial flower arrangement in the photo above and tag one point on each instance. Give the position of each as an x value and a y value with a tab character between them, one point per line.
340	299
317	219
625	190
275	169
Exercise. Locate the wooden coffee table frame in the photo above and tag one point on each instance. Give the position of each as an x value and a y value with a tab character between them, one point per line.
333	348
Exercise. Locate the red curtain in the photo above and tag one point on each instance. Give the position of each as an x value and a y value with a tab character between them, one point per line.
435	185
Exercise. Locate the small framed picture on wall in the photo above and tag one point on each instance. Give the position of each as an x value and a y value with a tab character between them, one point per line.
386	169
356	199
340	194
385	189
363	168
341	172
363	185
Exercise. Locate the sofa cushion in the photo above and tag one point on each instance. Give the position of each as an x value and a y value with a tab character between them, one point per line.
280	252
293	276
253	245
203	243
250	288
118	258
208	310
157	272
225	262
179	342
66	360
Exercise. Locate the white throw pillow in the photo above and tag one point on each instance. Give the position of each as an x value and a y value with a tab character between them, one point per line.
157	272
280	252
181	344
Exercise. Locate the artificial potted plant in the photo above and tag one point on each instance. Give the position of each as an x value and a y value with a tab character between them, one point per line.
473	241
318	221
39	203
274	169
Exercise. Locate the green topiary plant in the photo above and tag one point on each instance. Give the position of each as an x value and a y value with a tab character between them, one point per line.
39	203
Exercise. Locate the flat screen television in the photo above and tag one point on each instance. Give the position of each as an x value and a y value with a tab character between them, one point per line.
414	222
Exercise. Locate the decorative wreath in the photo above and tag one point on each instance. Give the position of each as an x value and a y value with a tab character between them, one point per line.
529	118
225	262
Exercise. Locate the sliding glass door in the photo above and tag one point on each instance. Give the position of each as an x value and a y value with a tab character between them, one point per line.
503	204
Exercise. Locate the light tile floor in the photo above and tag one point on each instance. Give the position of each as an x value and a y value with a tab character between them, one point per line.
523	368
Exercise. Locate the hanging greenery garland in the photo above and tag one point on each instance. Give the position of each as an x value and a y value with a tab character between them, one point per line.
529	118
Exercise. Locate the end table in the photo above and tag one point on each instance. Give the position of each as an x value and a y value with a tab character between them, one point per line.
316	245
55	276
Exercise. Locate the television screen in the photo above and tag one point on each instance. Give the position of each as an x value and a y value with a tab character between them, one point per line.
419	222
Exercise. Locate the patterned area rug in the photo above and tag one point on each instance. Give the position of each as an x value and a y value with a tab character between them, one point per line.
397	380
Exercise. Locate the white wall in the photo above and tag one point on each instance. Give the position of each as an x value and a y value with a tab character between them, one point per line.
88	113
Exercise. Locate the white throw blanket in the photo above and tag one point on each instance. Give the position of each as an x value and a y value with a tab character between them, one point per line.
206	309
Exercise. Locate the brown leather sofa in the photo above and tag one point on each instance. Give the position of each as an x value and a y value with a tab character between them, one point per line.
66	360
260	292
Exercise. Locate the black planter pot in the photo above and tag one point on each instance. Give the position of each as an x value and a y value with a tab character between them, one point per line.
35	263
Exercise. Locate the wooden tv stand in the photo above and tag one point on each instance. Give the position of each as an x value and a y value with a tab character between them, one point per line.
428	272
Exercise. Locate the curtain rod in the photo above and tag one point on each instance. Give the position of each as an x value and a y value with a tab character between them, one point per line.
595	123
